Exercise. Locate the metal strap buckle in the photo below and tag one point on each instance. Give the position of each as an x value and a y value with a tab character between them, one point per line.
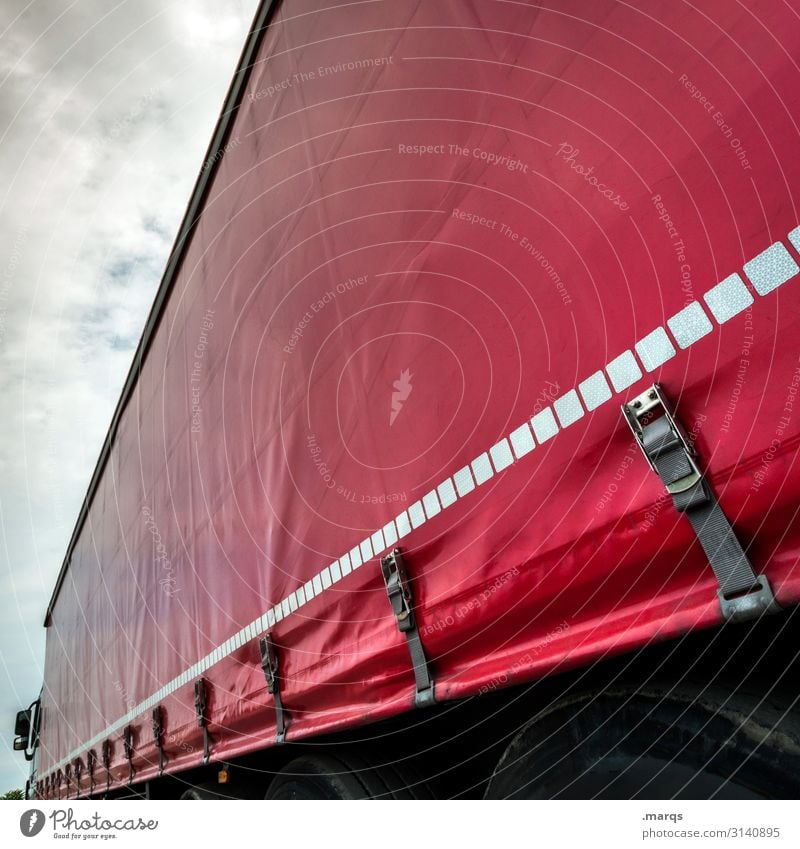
269	662
127	744
270	665
759	601
158	735
396	581
643	410
200	708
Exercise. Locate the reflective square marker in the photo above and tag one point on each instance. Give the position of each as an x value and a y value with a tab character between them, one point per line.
544	425
416	514
377	542
390	534
501	455
728	298
522	440
771	268
447	493
482	468
623	371
689	325
431	504
403	525
655	349
594	391
568	408
463	481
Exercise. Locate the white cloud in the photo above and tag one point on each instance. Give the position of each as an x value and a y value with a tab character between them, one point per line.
105	114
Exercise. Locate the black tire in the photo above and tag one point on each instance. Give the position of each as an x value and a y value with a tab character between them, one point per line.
659	743
342	777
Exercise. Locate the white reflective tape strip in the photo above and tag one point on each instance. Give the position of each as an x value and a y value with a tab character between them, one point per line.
325	577
317	583
308	589
292	599
344	565
336	572
355	558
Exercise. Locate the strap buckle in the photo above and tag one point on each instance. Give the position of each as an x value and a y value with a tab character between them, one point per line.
200	710
741	594
395	578
749	605
271	667
643	410
269	663
127	745
158	735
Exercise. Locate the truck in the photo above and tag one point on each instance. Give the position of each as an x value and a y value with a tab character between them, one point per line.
459	453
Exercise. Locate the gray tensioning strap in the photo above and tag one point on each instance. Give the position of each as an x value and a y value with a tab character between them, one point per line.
665	449
742	594
398	590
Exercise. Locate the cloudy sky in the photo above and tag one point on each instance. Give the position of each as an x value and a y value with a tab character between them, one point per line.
106	109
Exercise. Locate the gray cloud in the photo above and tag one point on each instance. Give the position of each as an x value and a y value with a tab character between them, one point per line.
105	113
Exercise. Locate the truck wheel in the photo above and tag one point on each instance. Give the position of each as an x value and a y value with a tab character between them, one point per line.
659	743
327	777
